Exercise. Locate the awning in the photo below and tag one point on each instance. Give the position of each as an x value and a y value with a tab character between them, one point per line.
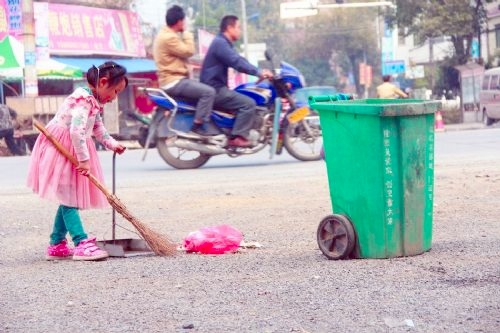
11	53
137	65
45	69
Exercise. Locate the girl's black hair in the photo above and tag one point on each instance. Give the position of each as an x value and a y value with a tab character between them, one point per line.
114	72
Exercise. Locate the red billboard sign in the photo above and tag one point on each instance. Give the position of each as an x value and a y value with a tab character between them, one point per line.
77	30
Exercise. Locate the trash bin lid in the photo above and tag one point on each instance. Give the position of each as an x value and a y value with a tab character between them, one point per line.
374	106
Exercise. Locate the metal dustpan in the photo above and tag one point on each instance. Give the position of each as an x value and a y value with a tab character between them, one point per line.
127	247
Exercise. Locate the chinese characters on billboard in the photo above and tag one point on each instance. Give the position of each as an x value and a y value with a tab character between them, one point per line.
77	30
10	18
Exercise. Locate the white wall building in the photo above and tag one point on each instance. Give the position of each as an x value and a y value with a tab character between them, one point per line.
490	39
420	54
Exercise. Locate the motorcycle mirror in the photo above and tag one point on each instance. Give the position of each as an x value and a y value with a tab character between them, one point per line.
273	59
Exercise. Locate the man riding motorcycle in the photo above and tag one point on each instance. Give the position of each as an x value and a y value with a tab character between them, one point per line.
220	56
172	48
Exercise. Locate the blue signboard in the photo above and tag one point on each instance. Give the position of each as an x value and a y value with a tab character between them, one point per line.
393	67
474	49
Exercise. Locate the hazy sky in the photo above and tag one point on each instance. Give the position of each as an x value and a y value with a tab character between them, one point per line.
152	11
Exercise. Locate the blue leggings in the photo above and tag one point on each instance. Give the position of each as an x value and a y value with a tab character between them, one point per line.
67	220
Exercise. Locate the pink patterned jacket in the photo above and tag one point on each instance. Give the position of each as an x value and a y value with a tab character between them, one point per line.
81	114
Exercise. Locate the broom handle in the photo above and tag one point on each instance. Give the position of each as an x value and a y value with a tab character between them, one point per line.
68	155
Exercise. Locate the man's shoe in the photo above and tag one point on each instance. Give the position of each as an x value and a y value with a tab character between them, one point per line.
205	130
240	142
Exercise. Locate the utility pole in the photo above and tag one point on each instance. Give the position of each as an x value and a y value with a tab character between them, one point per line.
245	32
30	86
204	16
431	61
366	78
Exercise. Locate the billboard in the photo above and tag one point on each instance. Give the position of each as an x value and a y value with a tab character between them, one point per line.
393	67
205	38
78	30
10	18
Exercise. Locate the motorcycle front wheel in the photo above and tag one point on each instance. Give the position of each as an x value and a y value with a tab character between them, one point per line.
303	140
180	158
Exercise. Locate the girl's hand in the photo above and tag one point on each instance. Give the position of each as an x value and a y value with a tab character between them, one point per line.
84	167
120	149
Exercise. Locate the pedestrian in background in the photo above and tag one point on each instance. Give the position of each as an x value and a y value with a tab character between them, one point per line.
387	90
54	177
7	115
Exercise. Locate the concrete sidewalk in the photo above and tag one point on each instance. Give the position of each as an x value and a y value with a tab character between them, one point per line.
469	126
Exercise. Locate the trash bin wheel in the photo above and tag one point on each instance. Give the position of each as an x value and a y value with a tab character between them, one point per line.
336	237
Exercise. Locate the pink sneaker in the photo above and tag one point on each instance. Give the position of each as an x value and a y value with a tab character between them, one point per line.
88	250
59	251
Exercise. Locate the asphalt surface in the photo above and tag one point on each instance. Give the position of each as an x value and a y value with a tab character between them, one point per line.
286	286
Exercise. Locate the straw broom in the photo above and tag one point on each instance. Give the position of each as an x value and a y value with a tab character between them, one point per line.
160	244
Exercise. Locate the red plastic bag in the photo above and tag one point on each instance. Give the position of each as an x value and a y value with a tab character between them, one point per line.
214	240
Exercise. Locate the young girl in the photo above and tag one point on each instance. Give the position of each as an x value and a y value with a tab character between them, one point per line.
54	177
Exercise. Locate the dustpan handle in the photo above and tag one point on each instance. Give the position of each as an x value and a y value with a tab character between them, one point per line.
114	191
74	161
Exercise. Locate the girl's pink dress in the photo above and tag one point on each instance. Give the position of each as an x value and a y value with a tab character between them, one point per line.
52	175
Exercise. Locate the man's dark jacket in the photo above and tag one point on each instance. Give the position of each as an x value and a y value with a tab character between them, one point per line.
220	56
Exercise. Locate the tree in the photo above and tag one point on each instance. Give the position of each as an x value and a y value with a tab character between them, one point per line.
461	20
321	47
319	44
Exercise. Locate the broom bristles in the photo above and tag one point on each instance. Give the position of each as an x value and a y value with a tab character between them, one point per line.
159	244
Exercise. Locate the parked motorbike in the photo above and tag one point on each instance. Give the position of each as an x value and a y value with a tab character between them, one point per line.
298	129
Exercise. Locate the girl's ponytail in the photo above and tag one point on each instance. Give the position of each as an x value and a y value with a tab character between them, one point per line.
93	76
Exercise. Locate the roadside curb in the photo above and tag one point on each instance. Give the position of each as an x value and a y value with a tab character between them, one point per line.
468	127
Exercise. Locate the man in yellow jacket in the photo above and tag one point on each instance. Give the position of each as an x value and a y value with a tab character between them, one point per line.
173	47
389	91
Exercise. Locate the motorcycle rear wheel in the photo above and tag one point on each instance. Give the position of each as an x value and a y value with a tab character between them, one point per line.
300	144
174	156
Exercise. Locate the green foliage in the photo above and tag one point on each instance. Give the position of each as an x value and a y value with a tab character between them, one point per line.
448	76
338	39
459	19
316	44
318	72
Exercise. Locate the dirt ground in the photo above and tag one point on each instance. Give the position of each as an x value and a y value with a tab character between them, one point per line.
286	286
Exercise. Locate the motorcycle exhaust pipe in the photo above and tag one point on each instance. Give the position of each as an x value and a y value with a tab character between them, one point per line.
202	148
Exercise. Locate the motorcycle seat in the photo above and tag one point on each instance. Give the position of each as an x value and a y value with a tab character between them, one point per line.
192	102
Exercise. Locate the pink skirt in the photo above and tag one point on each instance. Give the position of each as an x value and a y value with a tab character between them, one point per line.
54	177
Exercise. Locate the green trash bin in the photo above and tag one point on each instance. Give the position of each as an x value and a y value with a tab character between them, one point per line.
380	162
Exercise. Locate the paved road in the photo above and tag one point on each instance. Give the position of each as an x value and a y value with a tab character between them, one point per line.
457	145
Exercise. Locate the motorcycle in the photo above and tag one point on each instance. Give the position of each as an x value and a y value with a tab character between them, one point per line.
295	127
